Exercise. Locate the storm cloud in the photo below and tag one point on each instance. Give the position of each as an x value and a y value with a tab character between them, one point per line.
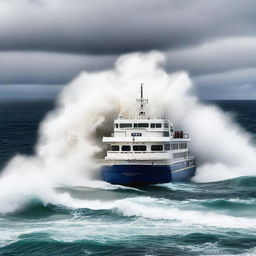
51	41
111	26
44	67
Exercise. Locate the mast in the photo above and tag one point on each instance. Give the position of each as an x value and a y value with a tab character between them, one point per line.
141	104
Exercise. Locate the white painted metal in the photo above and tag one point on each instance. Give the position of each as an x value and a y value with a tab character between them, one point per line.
128	132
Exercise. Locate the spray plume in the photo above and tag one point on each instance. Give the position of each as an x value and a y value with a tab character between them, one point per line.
70	135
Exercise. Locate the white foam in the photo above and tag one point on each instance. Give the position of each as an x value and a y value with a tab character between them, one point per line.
71	134
160	209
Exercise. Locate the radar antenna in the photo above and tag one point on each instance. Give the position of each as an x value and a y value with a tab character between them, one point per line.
141	104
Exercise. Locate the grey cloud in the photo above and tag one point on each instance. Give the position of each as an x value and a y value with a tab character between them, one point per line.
113	26
45	67
235	77
51	41
215	56
23	91
52	68
237	84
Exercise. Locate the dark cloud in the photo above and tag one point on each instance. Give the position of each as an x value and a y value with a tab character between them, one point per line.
23	91
215	56
115	27
45	67
51	41
236	84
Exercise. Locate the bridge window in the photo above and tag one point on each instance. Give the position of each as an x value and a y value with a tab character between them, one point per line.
141	125
126	148
166	125
167	147
153	125
116	125
139	148
114	148
123	125
157	148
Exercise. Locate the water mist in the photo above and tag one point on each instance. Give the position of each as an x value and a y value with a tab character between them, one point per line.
69	137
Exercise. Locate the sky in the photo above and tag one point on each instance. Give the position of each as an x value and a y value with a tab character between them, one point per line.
46	43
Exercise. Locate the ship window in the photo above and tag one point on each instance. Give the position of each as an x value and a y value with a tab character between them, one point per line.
174	146
183	145
166	134
139	148
167	147
123	125
114	148
116	125
158	125
166	125
126	148
156	147
180	155
143	125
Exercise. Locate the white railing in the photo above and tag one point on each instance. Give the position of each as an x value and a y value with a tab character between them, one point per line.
137	152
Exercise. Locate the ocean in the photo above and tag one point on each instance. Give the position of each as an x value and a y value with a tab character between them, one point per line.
217	218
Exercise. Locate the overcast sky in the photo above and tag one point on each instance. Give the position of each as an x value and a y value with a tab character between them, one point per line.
45	43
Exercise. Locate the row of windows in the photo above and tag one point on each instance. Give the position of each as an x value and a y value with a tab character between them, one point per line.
165	134
178	146
124	125
183	145
155	125
180	155
139	147
128	148
141	125
174	146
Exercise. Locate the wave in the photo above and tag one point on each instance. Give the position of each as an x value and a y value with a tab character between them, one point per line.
70	136
248	182
186	244
231	205
35	208
178	213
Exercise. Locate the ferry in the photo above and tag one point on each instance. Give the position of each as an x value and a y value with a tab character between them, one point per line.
144	150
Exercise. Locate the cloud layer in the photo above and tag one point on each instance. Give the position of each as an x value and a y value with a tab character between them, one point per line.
111	26
51	41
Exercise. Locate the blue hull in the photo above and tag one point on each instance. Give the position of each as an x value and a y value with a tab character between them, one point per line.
134	175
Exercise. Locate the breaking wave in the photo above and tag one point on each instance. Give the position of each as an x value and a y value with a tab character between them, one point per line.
70	136
178	213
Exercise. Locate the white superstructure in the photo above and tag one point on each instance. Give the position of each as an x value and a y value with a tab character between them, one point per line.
145	140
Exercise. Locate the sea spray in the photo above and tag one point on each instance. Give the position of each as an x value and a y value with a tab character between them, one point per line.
69	137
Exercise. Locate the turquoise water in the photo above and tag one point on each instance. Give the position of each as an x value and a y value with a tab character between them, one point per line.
216	218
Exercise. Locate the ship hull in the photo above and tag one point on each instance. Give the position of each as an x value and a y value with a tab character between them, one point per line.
136	175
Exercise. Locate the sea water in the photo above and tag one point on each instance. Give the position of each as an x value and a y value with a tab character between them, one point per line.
210	218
